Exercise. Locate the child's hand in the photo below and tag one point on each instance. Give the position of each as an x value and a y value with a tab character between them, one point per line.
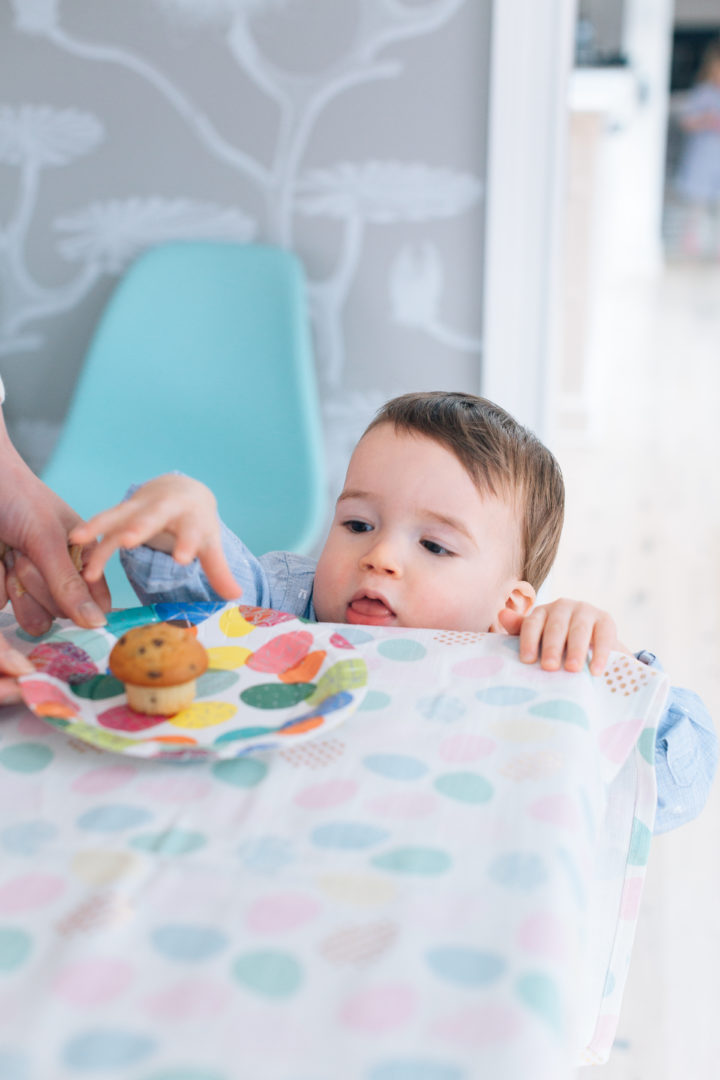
174	514
565	626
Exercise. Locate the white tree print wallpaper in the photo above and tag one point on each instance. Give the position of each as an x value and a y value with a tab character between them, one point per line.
352	131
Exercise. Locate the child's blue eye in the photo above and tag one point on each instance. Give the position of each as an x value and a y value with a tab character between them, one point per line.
357	526
435	549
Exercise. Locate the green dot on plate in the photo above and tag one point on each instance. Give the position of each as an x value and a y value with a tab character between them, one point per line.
26	757
215	681
98	688
269	973
276	695
402	649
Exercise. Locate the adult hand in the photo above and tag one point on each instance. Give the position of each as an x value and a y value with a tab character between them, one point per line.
39	576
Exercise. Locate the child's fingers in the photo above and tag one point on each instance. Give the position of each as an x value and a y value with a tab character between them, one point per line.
579	637
217	571
554	637
603	642
531	633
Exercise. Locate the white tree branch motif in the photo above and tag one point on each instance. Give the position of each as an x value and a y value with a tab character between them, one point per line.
103	236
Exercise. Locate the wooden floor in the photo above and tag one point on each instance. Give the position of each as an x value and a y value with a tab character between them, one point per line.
643	541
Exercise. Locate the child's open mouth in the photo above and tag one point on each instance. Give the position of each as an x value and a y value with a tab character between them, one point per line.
370	610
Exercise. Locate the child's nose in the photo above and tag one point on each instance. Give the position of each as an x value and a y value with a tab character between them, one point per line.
382	557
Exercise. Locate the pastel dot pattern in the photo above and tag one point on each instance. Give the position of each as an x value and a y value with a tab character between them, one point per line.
272	681
407	892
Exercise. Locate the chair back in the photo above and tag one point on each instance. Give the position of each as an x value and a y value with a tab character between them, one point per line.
202	362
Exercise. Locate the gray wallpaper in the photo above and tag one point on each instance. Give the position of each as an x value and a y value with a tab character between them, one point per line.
352	131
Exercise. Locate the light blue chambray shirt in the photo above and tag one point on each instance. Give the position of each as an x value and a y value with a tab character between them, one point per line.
686	747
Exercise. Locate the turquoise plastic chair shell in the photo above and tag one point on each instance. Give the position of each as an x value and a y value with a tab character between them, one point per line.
202	362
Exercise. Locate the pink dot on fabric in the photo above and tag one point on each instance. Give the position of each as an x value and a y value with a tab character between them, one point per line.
196	999
28	892
404	805
477	1026
617	741
478	667
175	789
380	1008
632	894
604	1034
556	810
322	796
543	934
103	779
281	913
93	982
460	748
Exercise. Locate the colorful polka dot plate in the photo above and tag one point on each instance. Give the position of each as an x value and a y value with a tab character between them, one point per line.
273	680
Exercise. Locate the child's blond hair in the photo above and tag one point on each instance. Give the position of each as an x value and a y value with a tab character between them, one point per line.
500	456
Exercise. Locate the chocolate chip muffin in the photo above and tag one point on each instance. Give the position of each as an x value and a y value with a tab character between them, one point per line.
159	664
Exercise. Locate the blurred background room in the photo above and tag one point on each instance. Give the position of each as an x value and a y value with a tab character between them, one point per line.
484	197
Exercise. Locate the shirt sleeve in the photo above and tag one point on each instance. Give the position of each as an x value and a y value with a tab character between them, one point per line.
686	756
2	391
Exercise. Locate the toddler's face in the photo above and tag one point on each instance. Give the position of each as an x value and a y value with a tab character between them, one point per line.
414	543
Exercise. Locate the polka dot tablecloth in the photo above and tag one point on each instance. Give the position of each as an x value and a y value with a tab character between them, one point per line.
443	887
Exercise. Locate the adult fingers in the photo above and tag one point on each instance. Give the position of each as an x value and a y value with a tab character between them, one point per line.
67	588
9	692
13	662
3	590
32	616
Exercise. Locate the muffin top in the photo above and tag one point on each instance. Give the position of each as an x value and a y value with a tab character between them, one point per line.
158	655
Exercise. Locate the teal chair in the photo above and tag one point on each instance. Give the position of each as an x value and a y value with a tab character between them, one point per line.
202	362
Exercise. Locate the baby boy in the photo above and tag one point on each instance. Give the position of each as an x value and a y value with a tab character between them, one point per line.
450	518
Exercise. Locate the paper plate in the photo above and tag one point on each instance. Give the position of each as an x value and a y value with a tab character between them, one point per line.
273	680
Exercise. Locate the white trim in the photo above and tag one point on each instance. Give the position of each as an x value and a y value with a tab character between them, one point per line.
2	391
531	57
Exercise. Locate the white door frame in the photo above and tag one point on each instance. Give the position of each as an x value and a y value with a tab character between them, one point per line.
530	64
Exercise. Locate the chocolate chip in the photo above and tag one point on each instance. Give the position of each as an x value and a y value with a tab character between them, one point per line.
158	641
123	640
154	674
142	649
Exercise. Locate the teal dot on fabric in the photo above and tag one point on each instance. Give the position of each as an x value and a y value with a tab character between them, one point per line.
374	699
107	1048
98	688
355	636
14	1065
609	985
113	818
26	757
506	695
466	787
170	842
519	870
27	837
402	649
416	1069
240	772
466	967
427	862
441	707
640	840
186	1072
567	862
568	711
269	973
540	993
348	835
215	682
15	948
646	745
188	943
395	766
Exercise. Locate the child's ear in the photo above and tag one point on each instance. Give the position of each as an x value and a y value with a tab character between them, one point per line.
517	603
